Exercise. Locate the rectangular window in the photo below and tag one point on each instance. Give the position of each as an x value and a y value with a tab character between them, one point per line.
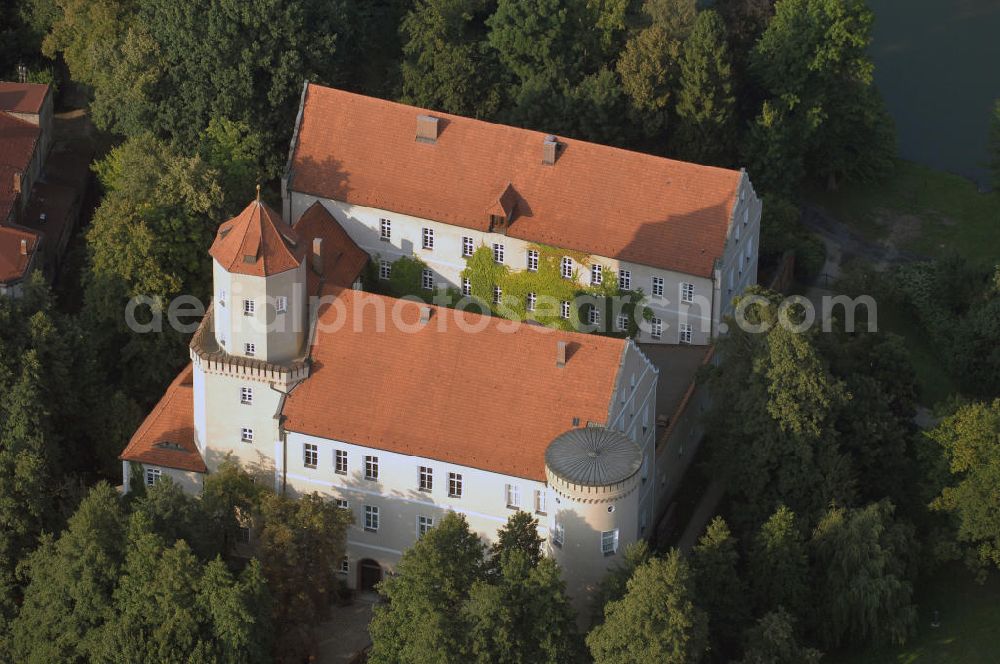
558	534
596	274
540	501
466	286
513	496
621	322
498	253
624	280
454	485
426	478
340	462
685	333
222	298
345	565
531	302
371	467
371	518
468	248
384	269
657	287
594	315
385	229
656	328
687	292
249	306
564	310
532	260
246	396
280	304
746	215
497	294
249	349
424	523
609	542
428	238
730	281
152	476
343	504
246	434
427	279
749	249
738	232
243	535
566	268
310	455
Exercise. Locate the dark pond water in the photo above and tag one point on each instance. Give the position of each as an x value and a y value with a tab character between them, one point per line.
937	63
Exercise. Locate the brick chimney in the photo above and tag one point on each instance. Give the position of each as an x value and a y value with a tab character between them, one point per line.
24	247
550	150
317	255
427	129
560	354
17	182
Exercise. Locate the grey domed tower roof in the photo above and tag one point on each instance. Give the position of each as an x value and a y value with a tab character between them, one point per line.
593	456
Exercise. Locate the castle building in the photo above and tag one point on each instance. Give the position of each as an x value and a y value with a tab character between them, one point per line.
401	411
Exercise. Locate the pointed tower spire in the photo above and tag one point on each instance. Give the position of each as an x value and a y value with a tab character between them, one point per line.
258	192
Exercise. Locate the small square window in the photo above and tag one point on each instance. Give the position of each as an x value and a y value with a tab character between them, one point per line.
345	565
609	542
343	504
249	307
246	396
427	279
152	476
280	304
340	462
564	310
468	247
371	467
657	287
566	268
596	274
685	333
426	478
498	253
385	230
424	523
625	280
466	287
532	260
454	485
531	302
249	349
246	434
687	292
656	328
428	238
497	294
384	270
371	518
540	502
310	455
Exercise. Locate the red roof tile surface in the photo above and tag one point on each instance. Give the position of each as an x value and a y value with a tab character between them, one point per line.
595	199
22	97
343	259
257	242
166	437
13	263
492	399
17	145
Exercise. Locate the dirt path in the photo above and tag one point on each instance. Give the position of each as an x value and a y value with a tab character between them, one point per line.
843	243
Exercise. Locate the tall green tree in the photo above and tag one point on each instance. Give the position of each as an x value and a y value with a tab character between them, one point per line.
721	591
656	621
778	568
229	499
971	442
615	583
705	100
520	533
863	561
772	641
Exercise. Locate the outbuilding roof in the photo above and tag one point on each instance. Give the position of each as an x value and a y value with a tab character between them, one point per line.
22	97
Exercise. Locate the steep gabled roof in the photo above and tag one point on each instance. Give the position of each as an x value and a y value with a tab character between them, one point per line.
166	436
343	259
13	263
22	97
17	146
594	198
257	242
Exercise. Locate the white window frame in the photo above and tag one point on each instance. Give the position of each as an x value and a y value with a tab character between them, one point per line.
531	302
625	279
498	251
532	260
371	518
371	467
596	274
424	523
656	286
454	485
468	246
425	479
513	496
540	506
340	462
656	328
621	322
310	451
385	229
427	279
564	310
566	267
153	475
246	396
609	542
249	307
687	292
427	239
246	435
558	534
497	294
594	315
345	565
249	349
343	503
466	287
684	333
280	304
384	270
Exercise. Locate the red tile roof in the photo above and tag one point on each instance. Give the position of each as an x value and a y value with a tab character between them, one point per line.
492	399
343	259
17	146
22	97
166	437
596	199
13	263
257	242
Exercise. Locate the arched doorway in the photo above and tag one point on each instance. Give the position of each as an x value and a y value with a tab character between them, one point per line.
369	574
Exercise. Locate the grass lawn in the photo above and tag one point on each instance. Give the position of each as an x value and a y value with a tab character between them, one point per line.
923	210
969	631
